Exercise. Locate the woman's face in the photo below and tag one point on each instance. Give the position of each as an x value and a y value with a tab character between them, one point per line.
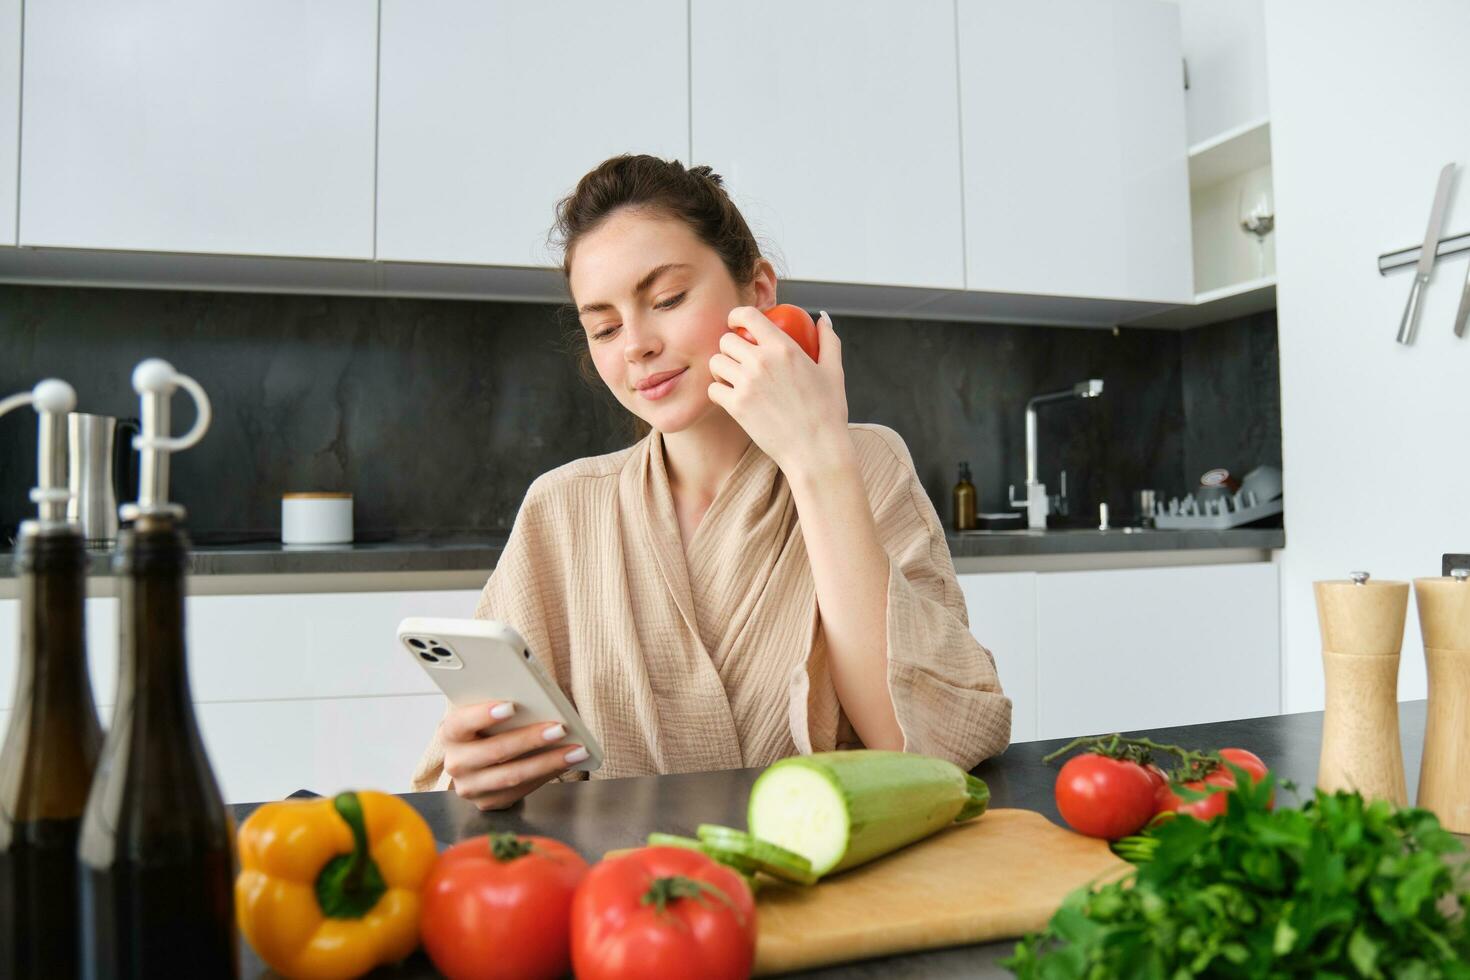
653	301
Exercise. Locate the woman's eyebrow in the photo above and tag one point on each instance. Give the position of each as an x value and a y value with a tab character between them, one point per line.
643	284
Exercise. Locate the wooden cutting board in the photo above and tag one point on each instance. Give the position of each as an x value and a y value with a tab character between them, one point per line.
997	877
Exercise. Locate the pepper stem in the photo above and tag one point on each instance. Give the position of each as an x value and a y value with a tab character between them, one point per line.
349	885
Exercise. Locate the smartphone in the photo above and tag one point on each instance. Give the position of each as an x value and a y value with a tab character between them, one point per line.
477	660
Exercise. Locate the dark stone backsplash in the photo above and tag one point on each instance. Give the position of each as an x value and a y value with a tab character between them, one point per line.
437	414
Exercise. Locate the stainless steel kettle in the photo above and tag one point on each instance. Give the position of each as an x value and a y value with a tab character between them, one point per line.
101	469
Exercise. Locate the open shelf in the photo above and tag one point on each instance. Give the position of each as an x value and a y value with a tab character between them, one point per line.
1230	154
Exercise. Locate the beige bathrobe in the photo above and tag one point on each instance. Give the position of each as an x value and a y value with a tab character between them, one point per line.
717	660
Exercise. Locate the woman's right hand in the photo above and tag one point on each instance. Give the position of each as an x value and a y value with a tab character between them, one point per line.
494	771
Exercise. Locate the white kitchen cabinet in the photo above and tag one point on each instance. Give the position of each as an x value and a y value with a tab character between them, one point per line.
1225	46
101	628
328	645
263	750
834	123
1075	171
291	691
1152	647
491	111
9	116
1002	611
176	126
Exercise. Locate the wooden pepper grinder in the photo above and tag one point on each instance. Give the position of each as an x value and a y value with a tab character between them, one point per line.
1362	626
1444	775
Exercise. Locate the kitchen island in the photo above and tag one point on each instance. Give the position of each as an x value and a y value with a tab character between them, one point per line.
600	815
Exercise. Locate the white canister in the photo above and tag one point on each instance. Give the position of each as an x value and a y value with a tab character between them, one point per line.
316	518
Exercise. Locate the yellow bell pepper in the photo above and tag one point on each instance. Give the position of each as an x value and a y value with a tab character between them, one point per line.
329	888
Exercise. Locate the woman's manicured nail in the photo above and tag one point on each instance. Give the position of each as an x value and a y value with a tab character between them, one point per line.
575	756
502	711
554	732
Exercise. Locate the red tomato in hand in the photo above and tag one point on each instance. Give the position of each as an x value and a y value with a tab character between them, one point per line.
797	324
499	908
1103	797
1217	802
662	912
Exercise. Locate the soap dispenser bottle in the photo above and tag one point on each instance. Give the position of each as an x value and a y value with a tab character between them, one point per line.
53	740
156	854
964	501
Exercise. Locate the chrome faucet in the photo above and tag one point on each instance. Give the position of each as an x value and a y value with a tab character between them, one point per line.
1036	502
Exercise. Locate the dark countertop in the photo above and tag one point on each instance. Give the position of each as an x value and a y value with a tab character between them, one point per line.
480	551
599	815
1075	541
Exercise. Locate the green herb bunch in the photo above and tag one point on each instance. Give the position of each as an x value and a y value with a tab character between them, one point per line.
1337	888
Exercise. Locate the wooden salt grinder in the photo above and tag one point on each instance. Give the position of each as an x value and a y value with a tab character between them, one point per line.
1362	627
1444	775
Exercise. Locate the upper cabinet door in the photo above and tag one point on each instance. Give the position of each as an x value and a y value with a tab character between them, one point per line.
492	109
9	115
1225	45
835	124
1076	169
171	125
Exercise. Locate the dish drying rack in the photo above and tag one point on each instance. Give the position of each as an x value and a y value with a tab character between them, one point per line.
1214	514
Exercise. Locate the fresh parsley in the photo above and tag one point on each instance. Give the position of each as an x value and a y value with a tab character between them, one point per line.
1338	888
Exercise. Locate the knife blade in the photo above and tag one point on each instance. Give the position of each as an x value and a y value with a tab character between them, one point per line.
1426	255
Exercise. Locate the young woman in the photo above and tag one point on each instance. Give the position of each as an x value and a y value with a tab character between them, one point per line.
754	578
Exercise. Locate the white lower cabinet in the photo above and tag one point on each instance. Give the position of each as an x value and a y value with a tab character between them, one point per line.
312	691
1002	611
101	648
1150	647
1098	651
292	691
263	750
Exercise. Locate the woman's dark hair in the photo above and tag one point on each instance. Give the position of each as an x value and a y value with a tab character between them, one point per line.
693	195
696	196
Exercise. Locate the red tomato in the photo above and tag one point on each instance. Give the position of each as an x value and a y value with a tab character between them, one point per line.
1216	803
797	323
1103	797
497	908
1248	761
662	912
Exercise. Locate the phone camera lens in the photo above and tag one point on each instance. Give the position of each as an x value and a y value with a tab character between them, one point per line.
416	643
441	651
429	657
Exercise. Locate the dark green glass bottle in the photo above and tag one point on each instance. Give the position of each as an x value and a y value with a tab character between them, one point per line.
156	852
157	873
52	743
50	755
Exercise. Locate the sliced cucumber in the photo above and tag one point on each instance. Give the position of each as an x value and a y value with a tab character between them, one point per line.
731	859
841	809
773	859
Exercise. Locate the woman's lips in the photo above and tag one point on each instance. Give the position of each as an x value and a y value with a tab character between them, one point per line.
655	392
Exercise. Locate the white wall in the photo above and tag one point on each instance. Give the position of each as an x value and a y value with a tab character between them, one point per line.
1368	102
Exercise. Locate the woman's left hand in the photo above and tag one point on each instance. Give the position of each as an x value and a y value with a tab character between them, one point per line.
794	408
